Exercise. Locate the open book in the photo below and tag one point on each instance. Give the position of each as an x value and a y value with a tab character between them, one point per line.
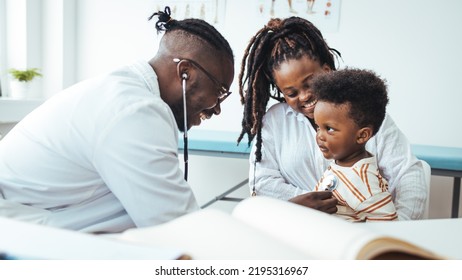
24	240
265	228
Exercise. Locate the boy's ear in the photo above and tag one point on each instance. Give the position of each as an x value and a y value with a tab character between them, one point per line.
363	135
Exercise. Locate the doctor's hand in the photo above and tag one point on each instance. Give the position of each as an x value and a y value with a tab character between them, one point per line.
322	201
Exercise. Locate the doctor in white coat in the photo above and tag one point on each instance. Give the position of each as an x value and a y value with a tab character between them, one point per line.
102	156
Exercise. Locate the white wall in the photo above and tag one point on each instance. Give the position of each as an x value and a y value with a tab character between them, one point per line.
113	33
414	44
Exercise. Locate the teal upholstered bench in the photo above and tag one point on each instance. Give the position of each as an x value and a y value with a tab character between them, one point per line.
444	161
215	143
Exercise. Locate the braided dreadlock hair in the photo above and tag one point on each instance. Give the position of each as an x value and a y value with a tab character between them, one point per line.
277	42
195	27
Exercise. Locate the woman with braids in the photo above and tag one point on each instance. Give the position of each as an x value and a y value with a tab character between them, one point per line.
285	162
102	155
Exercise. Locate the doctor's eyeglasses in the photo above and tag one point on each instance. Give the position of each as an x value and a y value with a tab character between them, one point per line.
223	92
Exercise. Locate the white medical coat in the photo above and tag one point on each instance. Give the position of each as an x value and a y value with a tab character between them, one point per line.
100	156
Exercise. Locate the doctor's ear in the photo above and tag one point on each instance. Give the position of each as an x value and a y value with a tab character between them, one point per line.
182	68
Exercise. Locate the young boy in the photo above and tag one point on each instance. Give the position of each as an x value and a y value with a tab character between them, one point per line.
349	111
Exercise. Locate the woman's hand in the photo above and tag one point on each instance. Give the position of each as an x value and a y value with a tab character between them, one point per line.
322	201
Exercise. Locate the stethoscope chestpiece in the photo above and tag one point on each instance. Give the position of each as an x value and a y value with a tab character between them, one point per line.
330	182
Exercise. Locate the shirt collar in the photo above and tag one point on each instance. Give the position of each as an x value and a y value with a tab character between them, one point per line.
299	116
144	69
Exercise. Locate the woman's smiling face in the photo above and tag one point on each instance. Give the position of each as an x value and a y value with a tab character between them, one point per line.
292	77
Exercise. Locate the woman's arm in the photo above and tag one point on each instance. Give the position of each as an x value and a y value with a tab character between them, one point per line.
403	171
265	176
268	179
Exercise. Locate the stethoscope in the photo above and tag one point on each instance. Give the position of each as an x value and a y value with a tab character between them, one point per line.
184	77
330	182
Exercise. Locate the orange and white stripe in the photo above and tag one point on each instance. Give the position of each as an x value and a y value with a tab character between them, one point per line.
362	192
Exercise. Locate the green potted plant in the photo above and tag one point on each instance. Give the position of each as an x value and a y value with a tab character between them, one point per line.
21	80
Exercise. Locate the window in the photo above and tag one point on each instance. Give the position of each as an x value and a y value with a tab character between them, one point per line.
3	70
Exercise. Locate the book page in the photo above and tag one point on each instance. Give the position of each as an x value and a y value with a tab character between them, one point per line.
314	232
389	248
437	235
22	240
213	234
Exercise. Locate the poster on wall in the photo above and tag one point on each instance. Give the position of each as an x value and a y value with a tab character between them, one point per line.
212	11
324	14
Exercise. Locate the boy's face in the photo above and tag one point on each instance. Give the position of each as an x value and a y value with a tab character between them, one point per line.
337	134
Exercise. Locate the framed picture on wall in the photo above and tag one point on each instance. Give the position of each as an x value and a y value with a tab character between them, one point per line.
212	11
324	14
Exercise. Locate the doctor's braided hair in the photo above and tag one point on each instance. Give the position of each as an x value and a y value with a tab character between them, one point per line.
277	42
195	27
